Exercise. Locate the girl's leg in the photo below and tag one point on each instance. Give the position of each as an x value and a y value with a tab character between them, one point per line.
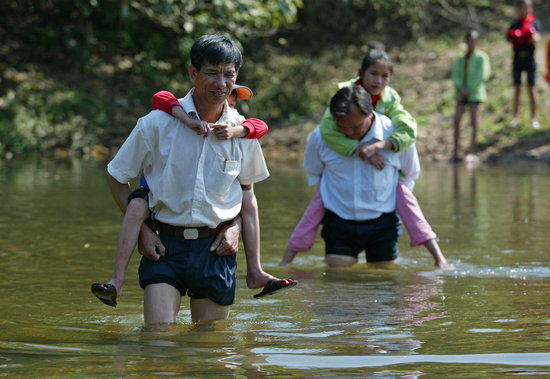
517	93
456	125
136	213
532	101
420	231
474	117
303	236
256	277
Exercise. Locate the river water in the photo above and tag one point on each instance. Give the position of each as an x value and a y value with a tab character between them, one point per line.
488	318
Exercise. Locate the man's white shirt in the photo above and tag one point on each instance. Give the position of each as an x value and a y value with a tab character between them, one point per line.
194	181
353	188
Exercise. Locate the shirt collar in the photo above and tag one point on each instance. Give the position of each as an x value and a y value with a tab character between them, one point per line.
376	131
189	107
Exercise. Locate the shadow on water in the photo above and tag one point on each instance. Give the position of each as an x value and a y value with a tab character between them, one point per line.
488	318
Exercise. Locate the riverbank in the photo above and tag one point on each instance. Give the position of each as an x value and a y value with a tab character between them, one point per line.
422	77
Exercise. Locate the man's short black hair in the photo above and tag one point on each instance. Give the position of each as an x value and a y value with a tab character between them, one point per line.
215	49
345	97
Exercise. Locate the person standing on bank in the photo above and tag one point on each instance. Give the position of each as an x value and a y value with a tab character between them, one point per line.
360	216
470	72
523	34
196	188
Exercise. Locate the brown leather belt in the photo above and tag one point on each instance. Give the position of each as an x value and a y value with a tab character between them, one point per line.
191	233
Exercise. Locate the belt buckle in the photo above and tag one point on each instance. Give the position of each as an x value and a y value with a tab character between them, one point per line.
191	234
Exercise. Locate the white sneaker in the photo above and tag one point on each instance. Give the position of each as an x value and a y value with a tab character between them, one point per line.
535	124
514	123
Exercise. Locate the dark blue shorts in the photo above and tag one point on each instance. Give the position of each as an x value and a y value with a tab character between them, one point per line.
524	61
378	237
191	268
466	102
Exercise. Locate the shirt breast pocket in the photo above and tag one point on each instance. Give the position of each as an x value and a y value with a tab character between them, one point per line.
382	180
224	172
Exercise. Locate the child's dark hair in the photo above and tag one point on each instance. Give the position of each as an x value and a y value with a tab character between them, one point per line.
373	57
342	100
215	49
376	45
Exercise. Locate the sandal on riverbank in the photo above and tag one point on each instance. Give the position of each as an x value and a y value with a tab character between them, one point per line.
105	292
276	285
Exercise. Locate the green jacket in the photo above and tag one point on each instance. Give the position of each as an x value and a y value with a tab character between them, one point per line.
479	70
389	104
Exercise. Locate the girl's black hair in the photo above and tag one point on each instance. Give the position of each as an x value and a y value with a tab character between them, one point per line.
373	57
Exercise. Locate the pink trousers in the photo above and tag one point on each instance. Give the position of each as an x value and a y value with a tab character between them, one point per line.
407	207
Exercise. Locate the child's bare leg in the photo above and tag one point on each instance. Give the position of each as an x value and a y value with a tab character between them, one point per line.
136	213
456	127
420	231
440	261
303	236
474	118
256	277
288	257
532	101
517	93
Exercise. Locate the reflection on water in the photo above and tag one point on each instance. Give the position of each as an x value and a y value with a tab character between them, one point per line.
489	316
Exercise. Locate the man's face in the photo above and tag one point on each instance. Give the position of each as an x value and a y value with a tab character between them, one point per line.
213	83
355	124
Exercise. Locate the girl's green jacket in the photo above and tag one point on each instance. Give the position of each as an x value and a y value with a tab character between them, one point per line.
479	70
389	104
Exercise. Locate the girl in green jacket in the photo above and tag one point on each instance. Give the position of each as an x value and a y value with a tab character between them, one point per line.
374	75
470	72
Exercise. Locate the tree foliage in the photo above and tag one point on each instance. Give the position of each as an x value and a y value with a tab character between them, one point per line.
75	73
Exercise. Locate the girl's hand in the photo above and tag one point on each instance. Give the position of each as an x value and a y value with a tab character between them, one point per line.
366	152
200	127
228	131
377	161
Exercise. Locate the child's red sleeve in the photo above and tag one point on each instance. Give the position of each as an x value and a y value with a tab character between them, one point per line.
256	128
165	100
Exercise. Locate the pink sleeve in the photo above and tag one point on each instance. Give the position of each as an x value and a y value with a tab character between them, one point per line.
256	128
165	100
303	236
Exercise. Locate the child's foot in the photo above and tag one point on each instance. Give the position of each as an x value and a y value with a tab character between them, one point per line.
445	266
535	124
288	257
276	285
105	292
258	279
118	285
